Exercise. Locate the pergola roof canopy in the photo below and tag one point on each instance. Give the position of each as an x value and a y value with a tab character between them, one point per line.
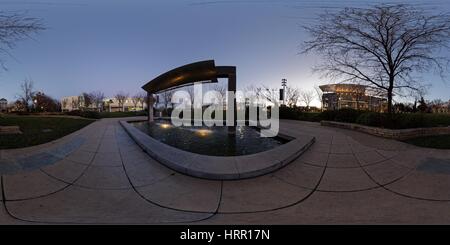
183	76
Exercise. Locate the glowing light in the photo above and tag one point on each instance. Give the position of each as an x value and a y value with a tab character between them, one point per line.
203	132
165	125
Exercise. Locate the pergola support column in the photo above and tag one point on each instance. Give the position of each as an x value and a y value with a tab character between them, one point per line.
150	103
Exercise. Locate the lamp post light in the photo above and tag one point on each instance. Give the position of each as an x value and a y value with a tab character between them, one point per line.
283	84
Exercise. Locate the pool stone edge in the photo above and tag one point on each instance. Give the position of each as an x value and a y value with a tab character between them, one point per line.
219	167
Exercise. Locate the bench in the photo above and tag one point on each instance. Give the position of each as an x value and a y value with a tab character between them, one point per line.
10	130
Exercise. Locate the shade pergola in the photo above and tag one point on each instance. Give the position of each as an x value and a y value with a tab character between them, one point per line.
189	74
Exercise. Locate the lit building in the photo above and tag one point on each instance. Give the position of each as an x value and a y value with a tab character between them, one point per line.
3	105
71	103
113	105
354	96
442	108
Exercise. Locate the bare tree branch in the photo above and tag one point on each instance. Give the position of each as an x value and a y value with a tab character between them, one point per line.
384	47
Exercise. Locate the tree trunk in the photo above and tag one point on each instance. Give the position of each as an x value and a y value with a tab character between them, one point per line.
390	93
390	109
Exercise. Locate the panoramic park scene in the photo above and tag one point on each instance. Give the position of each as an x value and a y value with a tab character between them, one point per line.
225	112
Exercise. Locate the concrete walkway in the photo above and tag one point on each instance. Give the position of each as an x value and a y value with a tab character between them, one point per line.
99	175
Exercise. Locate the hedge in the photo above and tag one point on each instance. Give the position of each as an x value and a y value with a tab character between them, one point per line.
374	119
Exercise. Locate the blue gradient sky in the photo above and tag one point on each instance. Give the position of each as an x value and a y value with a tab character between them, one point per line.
119	45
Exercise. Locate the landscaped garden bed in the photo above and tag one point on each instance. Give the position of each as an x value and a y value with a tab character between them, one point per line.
435	141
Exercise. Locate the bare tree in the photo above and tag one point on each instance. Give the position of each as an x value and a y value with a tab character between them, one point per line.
75	103
97	98
64	104
15	27
87	100
167	97
136	99
27	93
264	93
142	99
384	47
121	98
191	92
222	90
307	96
292	96
319	94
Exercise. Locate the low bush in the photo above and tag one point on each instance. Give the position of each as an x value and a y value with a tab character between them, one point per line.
297	114
404	121
347	115
85	114
374	119
123	114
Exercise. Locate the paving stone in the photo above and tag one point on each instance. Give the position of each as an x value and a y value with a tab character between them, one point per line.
184	192
320	148
146	172
369	157
81	156
345	179
97	177
376	206
387	172
84	206
30	185
65	170
300	174
111	159
262	193
314	158
341	148
420	184
342	161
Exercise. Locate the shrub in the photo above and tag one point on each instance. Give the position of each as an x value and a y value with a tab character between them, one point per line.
371	119
403	121
347	115
295	113
329	115
86	114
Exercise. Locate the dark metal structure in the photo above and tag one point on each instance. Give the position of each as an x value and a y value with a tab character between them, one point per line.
203	71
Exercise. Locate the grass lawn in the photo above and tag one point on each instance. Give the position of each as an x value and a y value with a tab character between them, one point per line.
32	129
438	142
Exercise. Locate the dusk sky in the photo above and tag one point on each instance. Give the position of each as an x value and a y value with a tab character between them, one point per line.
119	45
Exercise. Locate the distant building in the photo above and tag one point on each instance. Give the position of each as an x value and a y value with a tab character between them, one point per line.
354	96
71	103
441	108
3	105
112	105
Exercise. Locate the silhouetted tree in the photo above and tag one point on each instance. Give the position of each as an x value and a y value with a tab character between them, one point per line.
384	46
97	98
15	27
27	93
167	97
142	99
292	96
87	100
307	96
422	107
121	97
45	103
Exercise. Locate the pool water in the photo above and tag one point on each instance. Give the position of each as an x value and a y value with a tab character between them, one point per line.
213	141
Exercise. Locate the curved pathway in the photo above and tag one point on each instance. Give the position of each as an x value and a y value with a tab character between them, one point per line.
99	175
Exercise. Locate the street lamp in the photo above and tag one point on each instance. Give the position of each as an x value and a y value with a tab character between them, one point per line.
283	84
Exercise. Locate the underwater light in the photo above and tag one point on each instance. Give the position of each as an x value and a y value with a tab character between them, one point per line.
203	132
